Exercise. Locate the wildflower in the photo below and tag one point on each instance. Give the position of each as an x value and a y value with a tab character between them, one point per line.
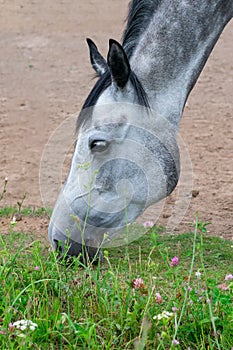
223	286
174	261
164	314
6	179
25	324
229	277
174	309
190	288
176	342
37	268
16	217
198	274
11	327
148	224
13	221
158	298
137	283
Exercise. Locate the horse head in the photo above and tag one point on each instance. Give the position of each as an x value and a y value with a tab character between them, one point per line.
125	159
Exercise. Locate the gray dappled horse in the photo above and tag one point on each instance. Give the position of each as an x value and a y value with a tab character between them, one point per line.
126	155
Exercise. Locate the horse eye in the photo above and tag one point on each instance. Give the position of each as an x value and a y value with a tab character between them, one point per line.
99	145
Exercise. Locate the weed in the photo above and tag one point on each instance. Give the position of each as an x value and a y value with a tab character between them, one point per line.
4	189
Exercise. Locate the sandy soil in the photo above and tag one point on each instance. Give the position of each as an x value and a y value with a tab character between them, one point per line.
45	76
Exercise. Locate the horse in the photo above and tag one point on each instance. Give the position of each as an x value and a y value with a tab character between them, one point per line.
126	156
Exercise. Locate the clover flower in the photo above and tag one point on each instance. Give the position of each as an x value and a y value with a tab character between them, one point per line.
174	261
24	325
137	283
229	277
198	274
148	224
11	327
158	298
164	314
174	309
176	342
223	286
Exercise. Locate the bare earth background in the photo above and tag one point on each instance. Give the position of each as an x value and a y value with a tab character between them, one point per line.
45	76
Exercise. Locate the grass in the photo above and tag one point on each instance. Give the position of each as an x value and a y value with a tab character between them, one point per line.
120	303
10	211
27	211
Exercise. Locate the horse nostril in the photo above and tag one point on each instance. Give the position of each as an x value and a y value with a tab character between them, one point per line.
57	245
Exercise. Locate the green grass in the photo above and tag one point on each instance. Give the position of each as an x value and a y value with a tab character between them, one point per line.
99	307
27	211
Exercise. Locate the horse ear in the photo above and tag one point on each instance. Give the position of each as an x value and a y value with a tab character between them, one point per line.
98	62
118	64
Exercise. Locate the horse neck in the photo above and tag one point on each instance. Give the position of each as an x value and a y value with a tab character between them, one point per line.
172	51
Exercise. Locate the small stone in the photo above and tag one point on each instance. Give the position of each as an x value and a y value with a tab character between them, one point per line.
195	193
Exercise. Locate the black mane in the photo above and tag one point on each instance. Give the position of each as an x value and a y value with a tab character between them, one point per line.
140	13
139	16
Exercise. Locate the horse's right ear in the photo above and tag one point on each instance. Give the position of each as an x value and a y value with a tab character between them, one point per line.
98	62
118	64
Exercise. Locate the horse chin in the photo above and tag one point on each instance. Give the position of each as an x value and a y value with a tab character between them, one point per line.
73	236
68	249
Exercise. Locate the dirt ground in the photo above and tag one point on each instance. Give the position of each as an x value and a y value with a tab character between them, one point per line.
45	76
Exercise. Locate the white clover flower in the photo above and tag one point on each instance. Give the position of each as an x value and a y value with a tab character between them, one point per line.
198	274
16	324
24	324
164	314
32	328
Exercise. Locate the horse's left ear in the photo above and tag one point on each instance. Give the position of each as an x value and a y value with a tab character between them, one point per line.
118	64
98	62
